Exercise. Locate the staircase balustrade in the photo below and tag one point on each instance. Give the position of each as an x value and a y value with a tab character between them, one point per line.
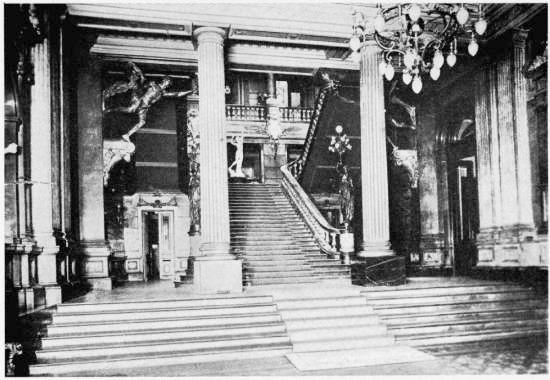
326	236
259	113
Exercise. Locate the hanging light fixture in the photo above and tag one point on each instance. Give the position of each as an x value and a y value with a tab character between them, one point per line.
418	38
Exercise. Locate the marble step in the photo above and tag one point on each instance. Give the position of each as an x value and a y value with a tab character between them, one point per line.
355	310
111	338
269	249
90	307
452	306
331	302
276	274
337	333
336	321
123	327
416	284
282	267
467	326
283	280
437	291
345	344
175	358
133	315
156	347
464	337
413	320
442	299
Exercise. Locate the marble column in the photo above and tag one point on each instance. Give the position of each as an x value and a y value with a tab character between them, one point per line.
523	157
431	237
41	172
374	173
216	269
93	247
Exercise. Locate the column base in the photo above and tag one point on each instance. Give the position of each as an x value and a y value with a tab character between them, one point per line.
212	276
94	266
215	251
511	246
375	249
432	252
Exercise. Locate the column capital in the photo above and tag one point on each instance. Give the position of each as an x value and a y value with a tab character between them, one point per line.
519	37
210	34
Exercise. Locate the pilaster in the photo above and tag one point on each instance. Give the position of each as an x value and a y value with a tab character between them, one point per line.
41	172
374	173
216	269
431	237
92	246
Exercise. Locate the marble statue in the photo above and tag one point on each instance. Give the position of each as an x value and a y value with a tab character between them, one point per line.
237	142
144	95
345	195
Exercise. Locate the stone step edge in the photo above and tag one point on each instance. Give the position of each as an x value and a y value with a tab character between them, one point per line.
234	353
467	333
209	307
233	297
252	325
219	338
439	285
168	319
467	322
465	293
463	312
404	306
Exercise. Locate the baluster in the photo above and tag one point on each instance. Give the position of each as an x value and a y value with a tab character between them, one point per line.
333	240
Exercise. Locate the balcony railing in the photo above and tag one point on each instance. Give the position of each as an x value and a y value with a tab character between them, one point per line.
259	113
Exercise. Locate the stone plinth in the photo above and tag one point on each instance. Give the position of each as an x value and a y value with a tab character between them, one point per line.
217	276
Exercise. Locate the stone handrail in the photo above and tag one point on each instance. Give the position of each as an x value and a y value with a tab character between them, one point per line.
259	113
326	236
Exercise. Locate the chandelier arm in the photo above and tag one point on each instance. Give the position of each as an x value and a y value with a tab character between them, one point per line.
378	39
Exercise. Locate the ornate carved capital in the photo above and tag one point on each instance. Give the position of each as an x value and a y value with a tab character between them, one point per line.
519	38
115	150
407	158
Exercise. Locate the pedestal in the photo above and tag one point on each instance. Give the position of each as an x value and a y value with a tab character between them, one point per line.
217	275
95	265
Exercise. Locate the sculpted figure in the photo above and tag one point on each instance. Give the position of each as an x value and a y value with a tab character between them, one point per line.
345	195
237	141
144	95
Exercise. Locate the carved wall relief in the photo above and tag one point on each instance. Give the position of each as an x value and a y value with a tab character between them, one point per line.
193	151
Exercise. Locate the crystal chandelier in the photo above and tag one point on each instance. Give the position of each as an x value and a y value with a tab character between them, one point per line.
418	38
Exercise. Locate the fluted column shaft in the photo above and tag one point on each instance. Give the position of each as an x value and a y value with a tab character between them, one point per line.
41	164
374	173
523	163
213	185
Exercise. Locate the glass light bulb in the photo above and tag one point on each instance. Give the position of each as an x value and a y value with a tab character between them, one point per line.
356	57
462	15
354	43
438	59
481	26
379	23
473	47
338	129
407	77
435	73
451	59
390	72
414	12
382	67
417	84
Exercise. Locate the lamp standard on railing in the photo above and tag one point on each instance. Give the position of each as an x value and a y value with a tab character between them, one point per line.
340	145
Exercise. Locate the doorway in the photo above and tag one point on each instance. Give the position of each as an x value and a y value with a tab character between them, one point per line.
463	198
158	245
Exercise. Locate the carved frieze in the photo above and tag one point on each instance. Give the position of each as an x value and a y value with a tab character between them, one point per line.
115	150
193	151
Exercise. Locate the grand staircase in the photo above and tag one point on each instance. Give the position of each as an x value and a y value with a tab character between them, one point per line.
275	244
149	333
446	312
